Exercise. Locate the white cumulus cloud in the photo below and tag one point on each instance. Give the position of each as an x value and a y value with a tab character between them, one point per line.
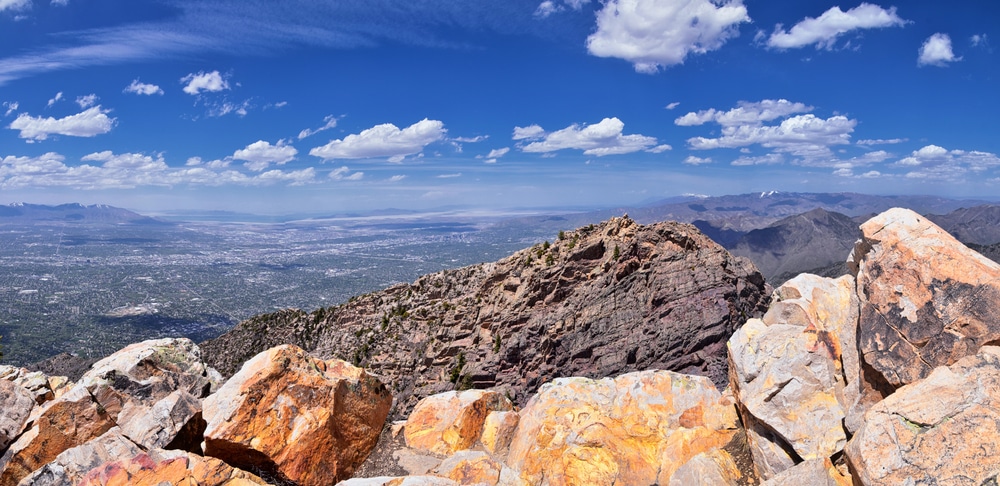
143	89
90	122
936	51
385	140
933	162
828	27
261	154
803	135
600	139
530	132
653	33
202	81
746	113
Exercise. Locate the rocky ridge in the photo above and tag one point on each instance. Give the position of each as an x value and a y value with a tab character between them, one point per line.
599	301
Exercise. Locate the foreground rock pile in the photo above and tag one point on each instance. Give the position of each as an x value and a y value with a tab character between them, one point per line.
155	412
890	375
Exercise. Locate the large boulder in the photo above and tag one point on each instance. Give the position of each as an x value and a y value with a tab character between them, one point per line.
926	299
795	372
159	466
452	421
16	404
943	429
635	429
296	418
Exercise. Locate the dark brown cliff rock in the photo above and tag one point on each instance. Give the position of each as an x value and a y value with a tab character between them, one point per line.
599	301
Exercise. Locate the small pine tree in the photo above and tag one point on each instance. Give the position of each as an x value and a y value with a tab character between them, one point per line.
1	348
616	254
562	235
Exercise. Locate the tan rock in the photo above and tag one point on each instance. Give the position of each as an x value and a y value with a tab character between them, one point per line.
635	429
295	417
16	404
451	421
69	467
715	468
942	429
34	381
471	467
159	466
498	431
927	300
151	370
814	472
70	421
174	420
790	389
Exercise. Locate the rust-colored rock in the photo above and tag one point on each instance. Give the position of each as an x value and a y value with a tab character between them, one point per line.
926	300
69	467
159	466
943	429
72	420
635	429
295	417
604	300
451	421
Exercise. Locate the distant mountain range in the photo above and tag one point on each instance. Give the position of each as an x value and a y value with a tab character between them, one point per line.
72	213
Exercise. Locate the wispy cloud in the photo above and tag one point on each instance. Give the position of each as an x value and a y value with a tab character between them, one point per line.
330	121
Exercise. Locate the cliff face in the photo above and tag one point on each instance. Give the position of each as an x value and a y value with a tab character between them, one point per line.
599	301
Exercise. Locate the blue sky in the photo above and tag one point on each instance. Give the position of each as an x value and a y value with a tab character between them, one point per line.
312	106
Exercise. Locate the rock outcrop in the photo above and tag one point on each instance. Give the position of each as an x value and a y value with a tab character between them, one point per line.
926	299
452	421
600	301
943	428
296	418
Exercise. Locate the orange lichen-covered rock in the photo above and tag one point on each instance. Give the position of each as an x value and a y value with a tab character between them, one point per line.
926	299
451	421
638	428
295	417
471	467
72	420
159	466
498	430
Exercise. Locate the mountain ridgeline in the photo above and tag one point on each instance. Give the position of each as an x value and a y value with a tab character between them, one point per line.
599	301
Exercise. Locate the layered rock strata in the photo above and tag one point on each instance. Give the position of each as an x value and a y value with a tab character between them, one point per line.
599	301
